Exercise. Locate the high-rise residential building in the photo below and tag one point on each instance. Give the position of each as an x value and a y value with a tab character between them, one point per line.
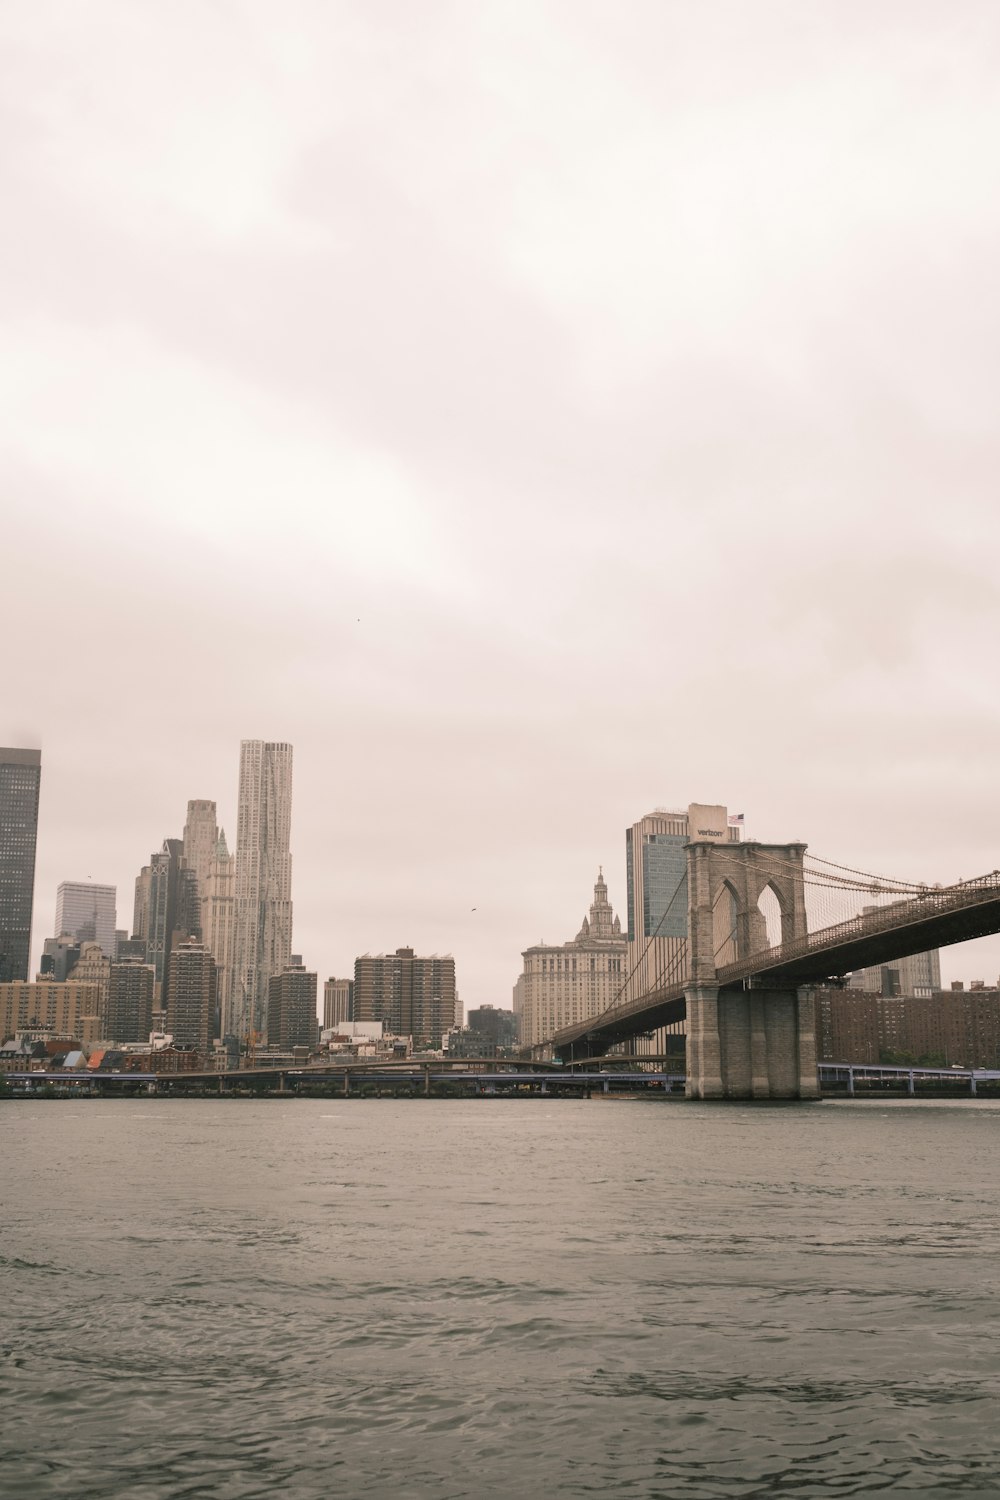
946	1027
291	1008
191	995
20	780
411	996
569	982
129	1015
263	939
338	1002
88	913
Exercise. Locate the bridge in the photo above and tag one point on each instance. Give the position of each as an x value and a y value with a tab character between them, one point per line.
494	1080
747	1001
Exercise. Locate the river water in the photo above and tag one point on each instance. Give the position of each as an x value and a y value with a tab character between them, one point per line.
237	1298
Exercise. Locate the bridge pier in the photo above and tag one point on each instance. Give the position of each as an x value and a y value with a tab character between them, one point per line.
704	1048
751	1044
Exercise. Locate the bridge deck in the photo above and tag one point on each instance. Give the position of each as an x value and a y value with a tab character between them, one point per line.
935	919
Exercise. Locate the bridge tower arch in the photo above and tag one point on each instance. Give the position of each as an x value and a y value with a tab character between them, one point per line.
746	1043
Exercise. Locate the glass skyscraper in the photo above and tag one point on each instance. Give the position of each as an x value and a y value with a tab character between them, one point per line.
88	913
20	778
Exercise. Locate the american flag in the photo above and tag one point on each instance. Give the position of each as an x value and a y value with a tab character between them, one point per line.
736	818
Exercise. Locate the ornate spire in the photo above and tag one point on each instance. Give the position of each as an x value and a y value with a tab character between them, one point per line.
601	915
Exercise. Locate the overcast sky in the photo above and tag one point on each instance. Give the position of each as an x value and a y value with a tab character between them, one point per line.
534	412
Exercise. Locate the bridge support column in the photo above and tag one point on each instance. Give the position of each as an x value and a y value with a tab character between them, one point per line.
704	1066
751	1044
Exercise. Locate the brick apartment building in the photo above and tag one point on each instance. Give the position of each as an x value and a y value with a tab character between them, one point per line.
947	1026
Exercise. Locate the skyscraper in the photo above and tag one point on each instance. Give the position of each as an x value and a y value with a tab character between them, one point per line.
657	891
214	868
20	778
263	943
218	928
88	913
571	981
166	903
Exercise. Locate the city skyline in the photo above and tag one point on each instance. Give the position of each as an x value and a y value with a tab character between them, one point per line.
967	962
533	418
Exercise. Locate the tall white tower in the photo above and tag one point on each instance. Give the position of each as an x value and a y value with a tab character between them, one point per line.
263	878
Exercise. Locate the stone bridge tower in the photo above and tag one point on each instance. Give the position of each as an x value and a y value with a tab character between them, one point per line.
746	1039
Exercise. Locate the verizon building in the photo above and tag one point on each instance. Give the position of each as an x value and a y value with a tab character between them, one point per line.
657	891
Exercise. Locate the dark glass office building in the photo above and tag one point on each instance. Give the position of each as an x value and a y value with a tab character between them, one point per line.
20	776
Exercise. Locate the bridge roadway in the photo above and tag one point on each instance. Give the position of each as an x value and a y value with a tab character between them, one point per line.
935	919
422	1077
835	1078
